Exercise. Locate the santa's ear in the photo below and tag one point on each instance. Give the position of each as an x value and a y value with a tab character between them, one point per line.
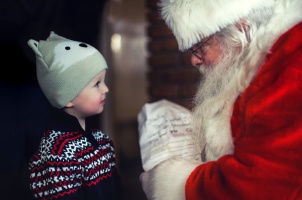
243	25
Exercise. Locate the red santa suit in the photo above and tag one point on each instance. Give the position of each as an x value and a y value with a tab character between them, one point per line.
266	126
267	130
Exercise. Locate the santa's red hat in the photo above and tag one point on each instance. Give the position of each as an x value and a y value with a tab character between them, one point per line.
191	20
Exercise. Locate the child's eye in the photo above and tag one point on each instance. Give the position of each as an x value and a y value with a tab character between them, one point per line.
98	83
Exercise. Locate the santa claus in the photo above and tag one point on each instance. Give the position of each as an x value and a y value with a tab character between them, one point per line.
247	117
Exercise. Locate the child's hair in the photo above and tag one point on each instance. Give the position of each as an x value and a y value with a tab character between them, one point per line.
65	67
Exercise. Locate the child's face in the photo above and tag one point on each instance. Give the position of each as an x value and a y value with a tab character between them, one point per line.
91	100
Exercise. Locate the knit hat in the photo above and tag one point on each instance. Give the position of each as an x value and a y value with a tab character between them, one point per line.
65	67
191	20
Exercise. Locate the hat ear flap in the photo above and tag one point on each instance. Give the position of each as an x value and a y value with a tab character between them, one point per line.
34	45
53	37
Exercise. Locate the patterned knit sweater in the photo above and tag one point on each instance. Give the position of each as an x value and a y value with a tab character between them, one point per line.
74	164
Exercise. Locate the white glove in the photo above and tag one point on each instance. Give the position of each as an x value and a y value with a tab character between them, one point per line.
167	180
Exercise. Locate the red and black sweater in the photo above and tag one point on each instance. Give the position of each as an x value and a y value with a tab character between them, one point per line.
71	163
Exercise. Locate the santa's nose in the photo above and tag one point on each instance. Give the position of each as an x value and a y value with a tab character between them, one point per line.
196	61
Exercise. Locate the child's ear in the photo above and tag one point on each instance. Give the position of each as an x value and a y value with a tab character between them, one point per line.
69	105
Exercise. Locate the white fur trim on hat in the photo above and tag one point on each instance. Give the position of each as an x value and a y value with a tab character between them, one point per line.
191	20
65	67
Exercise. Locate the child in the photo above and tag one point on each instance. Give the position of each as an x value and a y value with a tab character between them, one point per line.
74	161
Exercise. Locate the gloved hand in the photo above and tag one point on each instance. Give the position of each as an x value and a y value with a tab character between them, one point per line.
166	181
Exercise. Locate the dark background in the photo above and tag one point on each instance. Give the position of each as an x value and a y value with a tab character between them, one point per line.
23	106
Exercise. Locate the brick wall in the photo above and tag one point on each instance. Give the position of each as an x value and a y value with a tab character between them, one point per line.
171	75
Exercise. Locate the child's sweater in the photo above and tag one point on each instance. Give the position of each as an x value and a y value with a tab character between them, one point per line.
74	164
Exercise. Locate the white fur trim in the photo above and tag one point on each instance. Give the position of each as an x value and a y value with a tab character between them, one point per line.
191	20
169	178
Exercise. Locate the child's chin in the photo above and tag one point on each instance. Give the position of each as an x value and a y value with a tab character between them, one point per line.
100	110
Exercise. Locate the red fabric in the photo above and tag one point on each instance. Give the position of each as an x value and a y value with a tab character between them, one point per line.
267	126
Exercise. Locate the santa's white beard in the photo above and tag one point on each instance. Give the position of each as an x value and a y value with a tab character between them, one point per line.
214	104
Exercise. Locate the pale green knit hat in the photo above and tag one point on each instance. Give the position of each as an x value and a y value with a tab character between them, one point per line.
65	67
